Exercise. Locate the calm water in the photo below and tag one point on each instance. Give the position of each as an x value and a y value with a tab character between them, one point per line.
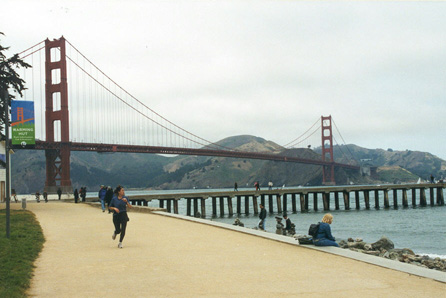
422	229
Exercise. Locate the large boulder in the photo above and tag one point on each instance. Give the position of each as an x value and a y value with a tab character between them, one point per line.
383	243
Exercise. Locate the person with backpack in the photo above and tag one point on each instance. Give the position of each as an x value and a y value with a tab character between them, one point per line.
323	236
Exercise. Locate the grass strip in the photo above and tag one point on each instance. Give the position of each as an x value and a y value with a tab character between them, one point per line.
18	253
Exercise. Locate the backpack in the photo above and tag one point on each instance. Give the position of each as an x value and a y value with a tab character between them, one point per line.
312	231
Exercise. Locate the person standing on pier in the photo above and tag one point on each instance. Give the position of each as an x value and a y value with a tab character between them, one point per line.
262	217
235	186
257	185
119	205
323	236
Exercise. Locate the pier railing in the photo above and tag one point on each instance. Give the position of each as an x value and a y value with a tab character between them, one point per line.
277	199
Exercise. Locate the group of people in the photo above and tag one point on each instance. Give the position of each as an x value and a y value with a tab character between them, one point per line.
323	236
105	196
82	193
37	194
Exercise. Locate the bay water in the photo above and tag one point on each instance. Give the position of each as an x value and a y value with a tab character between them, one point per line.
422	229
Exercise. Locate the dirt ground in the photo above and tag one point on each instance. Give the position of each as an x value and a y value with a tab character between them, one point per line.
168	257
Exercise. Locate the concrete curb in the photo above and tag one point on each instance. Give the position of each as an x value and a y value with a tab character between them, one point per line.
382	262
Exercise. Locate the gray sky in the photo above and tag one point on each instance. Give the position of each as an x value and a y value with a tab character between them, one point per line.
264	68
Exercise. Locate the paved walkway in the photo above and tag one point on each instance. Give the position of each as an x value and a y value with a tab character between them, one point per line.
170	257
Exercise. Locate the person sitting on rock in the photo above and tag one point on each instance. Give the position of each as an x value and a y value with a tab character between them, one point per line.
323	236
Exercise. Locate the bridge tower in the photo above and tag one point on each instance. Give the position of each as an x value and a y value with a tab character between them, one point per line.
56	113
327	149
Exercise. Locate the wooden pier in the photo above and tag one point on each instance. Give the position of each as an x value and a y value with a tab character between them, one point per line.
278	199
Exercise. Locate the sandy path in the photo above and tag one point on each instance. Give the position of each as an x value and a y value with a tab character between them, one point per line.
168	257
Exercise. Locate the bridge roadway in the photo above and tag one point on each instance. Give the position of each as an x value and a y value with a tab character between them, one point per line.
103	148
435	194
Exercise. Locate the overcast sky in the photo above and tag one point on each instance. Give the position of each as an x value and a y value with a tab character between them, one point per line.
264	68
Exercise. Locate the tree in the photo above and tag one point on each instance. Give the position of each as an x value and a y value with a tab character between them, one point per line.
9	78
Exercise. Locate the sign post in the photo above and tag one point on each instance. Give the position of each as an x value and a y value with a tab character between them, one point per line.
5	96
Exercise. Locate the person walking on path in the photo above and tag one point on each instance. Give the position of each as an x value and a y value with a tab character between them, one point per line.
76	196
101	195
119	205
108	197
323	236
45	196
262	217
38	196
59	192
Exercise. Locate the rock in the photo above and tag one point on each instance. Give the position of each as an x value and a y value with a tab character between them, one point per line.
237	222
350	240
384	242
371	252
343	244
358	245
399	253
358	239
368	247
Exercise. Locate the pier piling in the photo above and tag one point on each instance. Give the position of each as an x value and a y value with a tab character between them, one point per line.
336	200
230	210
214	206
432	198
222	206
357	199
422	197
414	197
386	199
270	204
366	199
395	199
346	200
405	203
325	200
279	204
376	199
315	201
255	205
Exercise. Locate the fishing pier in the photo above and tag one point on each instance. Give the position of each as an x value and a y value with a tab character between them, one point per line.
277	200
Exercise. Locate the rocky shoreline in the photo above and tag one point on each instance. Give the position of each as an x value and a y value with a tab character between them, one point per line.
383	248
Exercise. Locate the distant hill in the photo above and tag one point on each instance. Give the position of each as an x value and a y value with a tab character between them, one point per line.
413	164
137	170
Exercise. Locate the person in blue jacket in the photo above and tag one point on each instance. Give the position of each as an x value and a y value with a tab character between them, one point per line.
323	236
101	196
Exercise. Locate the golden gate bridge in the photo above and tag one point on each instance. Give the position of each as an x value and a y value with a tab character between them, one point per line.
79	108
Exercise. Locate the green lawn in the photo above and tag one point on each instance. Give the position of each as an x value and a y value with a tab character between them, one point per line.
18	253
